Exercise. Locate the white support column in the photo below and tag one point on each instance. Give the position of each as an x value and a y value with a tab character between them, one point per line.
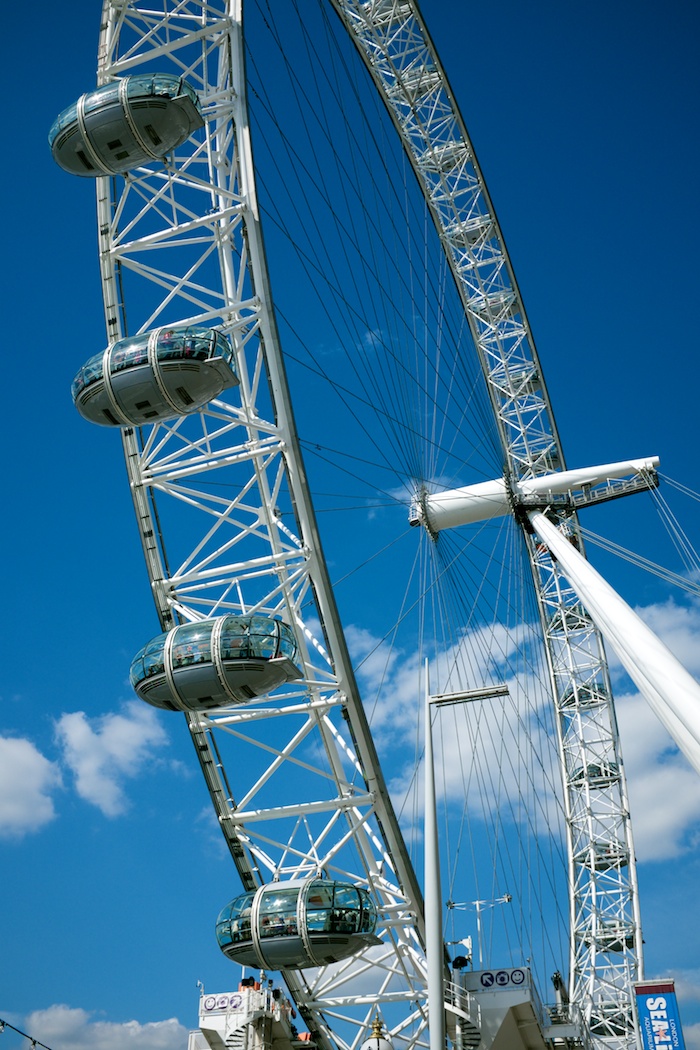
434	947
670	690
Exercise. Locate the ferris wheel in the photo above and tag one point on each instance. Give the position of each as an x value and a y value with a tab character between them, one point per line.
426	402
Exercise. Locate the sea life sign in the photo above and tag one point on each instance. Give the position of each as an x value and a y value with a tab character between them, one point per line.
659	1020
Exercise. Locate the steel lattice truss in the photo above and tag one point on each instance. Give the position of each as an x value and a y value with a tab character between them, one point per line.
226	486
181	243
606	932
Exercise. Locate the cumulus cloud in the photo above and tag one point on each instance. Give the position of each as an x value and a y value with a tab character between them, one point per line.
65	1028
657	774
688	991
691	1034
664	791
27	782
679	627
479	747
687	985
104	752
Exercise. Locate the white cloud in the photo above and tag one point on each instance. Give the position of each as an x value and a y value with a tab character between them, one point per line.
687	985
27	780
103	754
65	1028
657	772
679	627
664	790
478	746
691	1034
688	991
390	684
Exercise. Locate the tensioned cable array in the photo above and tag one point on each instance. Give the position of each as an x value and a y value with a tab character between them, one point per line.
390	352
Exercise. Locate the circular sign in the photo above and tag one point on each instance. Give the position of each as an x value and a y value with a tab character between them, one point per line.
517	976
502	978
222	1002
236	1001
487	979
209	1002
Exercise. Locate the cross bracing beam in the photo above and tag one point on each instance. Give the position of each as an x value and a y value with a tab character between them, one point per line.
221	278
227	490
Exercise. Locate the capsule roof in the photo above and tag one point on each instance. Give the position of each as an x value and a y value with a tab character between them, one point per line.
124	124
297	924
215	663
154	376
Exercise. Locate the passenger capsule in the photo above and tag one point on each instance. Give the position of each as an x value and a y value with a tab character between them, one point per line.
124	124
291	925
158	375
215	663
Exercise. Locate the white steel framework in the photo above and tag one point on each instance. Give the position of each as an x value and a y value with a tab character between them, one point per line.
180	242
189	231
396	46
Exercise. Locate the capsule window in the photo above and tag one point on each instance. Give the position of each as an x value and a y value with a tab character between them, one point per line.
235	640
278	913
149	660
346	908
153	661
68	116
319	908
103	96
223	347
198	347
168	345
191	644
369	913
89	373
127	354
234	922
287	645
263	636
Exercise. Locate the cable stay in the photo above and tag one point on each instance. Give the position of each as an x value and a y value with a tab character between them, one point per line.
410	367
641	562
670	690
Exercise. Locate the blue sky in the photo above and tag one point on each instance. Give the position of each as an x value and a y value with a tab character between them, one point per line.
585	122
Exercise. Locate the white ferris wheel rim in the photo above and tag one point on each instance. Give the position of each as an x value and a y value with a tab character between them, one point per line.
248	318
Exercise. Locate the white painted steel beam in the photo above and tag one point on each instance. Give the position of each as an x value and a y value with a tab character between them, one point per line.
671	691
493	499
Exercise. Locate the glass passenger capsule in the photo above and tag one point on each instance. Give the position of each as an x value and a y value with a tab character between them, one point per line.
124	124
215	663
157	375
295	924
